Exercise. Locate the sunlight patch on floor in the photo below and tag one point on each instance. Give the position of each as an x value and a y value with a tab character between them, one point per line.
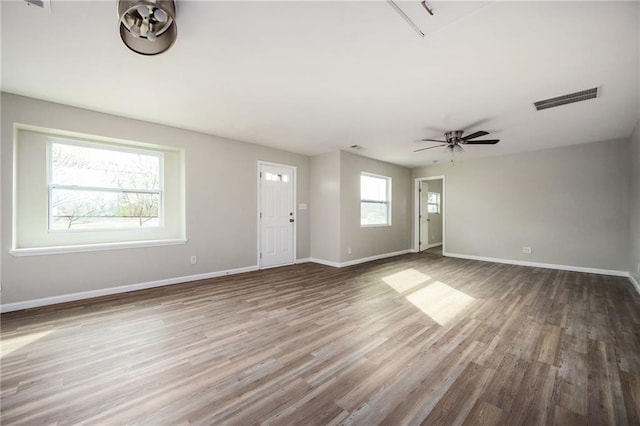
406	280
12	344
440	302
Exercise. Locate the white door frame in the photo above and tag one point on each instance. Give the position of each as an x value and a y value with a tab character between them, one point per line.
416	209
422	224
293	207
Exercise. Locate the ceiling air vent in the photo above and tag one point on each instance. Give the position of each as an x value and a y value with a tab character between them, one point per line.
582	95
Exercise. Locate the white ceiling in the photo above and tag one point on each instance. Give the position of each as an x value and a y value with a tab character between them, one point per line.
313	77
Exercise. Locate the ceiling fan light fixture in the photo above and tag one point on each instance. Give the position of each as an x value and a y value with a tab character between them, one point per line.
147	27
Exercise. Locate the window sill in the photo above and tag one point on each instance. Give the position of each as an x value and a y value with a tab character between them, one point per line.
382	225
38	251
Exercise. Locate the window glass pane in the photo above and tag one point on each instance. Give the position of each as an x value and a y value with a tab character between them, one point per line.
373	188
104	168
276	177
373	213
80	209
433	202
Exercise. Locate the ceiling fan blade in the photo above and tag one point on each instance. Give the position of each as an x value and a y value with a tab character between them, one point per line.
433	140
430	147
482	142
474	135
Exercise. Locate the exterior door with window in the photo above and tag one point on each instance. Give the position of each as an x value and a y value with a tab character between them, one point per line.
277	215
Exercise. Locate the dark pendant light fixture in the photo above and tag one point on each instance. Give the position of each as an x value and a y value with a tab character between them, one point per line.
147	27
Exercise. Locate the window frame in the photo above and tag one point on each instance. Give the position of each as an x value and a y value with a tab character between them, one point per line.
54	139
388	181
437	204
30	234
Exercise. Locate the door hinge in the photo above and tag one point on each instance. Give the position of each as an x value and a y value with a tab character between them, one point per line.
419	189
260	175
260	255
260	215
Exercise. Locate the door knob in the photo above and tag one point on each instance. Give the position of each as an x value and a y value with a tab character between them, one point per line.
291	220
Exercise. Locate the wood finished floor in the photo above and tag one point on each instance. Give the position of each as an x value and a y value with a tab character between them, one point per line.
310	344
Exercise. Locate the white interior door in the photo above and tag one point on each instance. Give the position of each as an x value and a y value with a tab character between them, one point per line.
277	215
424	216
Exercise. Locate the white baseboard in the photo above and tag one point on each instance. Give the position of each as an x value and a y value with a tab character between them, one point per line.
376	257
325	262
9	307
635	283
541	265
361	260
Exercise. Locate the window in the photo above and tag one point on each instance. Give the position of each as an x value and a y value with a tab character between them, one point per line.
375	200
79	192
99	187
276	177
433	202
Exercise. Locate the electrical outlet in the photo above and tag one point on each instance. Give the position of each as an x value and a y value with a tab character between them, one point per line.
349	250
194	260
526	250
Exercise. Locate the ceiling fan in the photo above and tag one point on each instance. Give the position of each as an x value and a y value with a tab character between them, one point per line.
455	140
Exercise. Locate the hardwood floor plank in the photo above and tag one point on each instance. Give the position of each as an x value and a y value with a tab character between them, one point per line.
386	342
631	390
461	397
482	413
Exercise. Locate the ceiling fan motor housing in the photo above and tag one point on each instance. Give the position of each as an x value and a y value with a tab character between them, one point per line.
454	136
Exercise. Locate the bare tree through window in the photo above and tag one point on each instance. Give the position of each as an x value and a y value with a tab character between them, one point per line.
94	187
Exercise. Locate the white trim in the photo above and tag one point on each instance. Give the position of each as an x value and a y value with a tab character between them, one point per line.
635	283
294	208
38	251
325	262
612	272
9	307
376	257
361	260
34	303
416	210
83	241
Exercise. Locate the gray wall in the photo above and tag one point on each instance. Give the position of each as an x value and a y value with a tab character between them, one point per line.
335	209
221	206
372	241
634	217
570	205
325	207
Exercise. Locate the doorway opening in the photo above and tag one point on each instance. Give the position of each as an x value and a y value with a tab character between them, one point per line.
429	218
276	214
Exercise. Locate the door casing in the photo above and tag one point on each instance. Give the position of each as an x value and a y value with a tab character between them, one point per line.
416	215
423	214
